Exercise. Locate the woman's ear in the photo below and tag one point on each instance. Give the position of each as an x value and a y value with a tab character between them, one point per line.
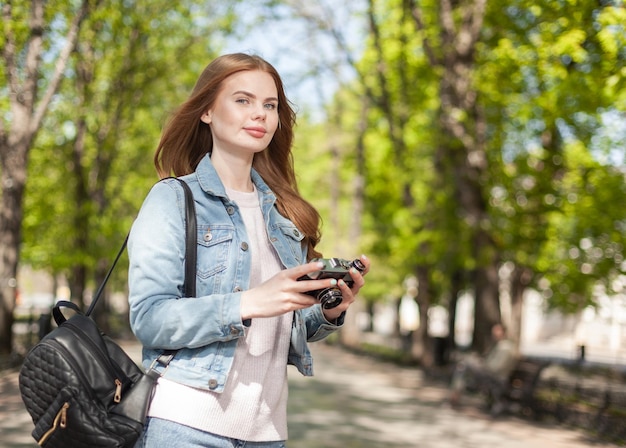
206	117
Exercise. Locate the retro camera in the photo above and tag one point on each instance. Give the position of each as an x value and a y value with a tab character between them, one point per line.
338	269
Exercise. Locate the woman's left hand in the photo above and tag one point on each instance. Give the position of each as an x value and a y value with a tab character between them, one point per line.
348	294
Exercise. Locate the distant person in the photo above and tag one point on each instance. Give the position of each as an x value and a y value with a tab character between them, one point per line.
231	141
492	371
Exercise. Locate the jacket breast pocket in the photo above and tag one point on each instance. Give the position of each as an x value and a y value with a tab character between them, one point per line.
290	239
214	246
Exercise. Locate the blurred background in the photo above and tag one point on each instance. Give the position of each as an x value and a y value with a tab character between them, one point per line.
474	150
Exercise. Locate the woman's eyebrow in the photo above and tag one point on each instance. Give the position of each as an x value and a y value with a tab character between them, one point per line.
252	95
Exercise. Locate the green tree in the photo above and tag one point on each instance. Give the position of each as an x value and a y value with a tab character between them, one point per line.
563	72
466	172
585	248
451	32
132	67
29	30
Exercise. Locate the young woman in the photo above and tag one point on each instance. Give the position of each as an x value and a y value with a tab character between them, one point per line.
227	383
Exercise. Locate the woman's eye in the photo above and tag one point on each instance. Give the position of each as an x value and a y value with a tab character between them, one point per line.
242	100
270	106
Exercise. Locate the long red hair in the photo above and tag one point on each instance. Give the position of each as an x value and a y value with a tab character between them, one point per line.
186	139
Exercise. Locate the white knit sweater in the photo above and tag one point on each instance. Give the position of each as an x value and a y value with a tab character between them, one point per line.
253	406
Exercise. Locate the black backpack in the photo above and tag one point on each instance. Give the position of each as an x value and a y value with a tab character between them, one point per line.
80	388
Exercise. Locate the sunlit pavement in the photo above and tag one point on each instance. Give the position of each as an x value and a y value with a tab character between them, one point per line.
356	402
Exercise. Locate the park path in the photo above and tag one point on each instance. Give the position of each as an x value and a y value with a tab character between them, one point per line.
355	401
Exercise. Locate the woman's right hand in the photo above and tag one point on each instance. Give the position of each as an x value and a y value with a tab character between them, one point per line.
283	292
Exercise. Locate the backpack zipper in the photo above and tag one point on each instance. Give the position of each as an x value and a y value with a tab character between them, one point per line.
110	366
67	356
60	421
118	391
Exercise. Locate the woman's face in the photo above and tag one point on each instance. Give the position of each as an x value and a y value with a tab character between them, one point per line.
245	114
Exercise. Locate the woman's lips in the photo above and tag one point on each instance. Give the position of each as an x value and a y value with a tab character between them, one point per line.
256	132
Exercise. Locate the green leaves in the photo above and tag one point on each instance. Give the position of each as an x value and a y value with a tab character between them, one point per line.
545	90
92	166
548	76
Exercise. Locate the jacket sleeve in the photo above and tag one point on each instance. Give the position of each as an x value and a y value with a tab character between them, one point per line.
317	326
159	316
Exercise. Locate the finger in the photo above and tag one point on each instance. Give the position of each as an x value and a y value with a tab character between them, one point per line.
313	285
345	289
366	262
305	300
347	295
357	279
304	269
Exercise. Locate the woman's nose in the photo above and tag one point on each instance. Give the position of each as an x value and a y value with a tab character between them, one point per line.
260	113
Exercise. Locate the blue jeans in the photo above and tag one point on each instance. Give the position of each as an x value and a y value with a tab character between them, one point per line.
159	433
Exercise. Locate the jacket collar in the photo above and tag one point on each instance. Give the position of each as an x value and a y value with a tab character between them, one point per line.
211	183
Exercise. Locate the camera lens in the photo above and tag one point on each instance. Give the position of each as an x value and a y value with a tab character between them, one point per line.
358	265
330	298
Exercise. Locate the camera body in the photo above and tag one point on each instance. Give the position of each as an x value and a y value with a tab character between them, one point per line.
338	269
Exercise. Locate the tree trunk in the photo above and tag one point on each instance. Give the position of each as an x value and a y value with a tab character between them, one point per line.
102	311
27	109
80	271
520	278
487	306
461	147
455	291
422	347
13	179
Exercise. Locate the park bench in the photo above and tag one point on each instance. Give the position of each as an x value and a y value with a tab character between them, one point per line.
578	399
523	383
579	395
519	390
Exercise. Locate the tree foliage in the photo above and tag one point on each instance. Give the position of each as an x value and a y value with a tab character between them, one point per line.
461	136
565	78
540	144
26	55
124	70
131	67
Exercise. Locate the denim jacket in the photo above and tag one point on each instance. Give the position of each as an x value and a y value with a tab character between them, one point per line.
205	329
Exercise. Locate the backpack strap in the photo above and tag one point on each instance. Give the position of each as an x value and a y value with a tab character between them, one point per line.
191	253
191	247
59	318
189	286
98	293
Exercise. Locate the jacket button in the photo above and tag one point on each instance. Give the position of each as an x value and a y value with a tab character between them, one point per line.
230	210
237	289
244	246
212	383
234	331
208	236
295	232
